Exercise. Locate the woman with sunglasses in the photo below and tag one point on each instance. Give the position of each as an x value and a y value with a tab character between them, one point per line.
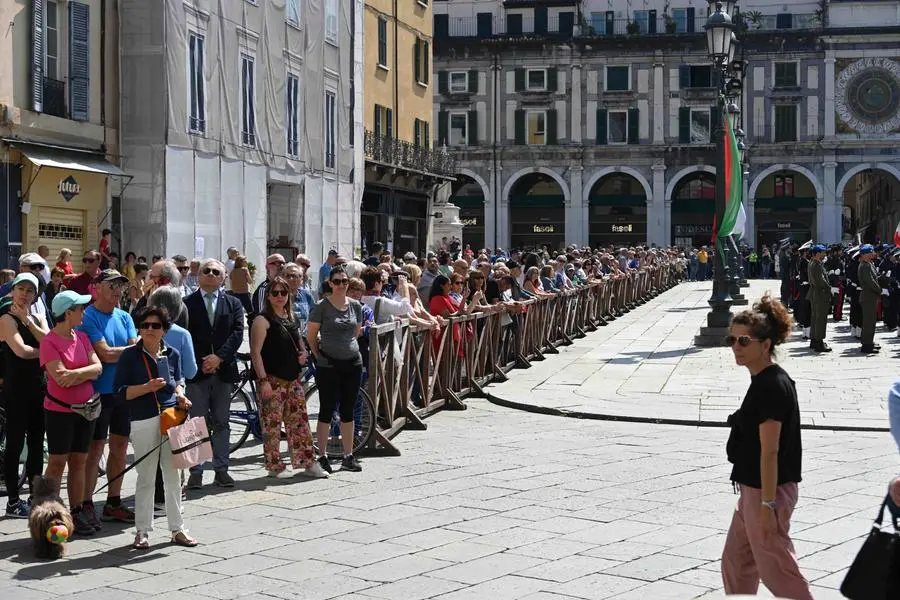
149	377
277	353
765	449
335	323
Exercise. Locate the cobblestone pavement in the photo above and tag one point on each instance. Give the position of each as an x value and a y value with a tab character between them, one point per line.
645	366
493	503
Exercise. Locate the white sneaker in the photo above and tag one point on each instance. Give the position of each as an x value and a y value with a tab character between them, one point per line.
285	474
315	471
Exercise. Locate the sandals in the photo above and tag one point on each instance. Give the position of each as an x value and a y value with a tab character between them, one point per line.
141	542
183	539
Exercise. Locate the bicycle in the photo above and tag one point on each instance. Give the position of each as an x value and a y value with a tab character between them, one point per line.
244	418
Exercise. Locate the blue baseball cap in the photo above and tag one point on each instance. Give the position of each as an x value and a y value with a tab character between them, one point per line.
64	301
866	249
818	248
26	278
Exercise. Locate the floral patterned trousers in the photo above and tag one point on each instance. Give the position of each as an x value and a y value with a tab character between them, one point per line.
286	405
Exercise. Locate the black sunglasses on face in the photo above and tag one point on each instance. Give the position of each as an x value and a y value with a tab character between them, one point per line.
151	325
184	268
743	340
214	272
340	281
276	293
36	267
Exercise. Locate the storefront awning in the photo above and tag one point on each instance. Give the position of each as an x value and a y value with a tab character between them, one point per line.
68	159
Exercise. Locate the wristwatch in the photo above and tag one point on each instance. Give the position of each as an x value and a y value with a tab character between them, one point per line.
769	504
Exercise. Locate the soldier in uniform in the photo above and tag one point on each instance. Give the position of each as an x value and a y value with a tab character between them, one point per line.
819	298
801	305
784	262
834	269
852	282
869	293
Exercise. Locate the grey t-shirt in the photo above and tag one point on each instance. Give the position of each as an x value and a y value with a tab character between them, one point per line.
337	328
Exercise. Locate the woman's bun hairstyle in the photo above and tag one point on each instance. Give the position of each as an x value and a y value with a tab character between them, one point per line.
768	320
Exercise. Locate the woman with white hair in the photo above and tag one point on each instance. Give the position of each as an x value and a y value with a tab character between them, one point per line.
354	268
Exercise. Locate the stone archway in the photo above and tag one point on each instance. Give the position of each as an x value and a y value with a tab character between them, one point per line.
869	194
784	199
548	172
670	187
648	190
820	192
617	209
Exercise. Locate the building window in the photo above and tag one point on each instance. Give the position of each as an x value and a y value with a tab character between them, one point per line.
536	80
617	79
695	76
422	68
642	18
617	128
331	21
459	128
382	43
51	47
292	12
700	126
197	120
293	115
330	129
536	127
458	81
422	134
784	186
786	74
384	121
248	114
786	123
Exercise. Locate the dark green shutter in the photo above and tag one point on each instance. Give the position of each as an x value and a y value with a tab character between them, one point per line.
551	127
684	125
416	60
472	128
37	55
602	131
427	135
442	82
443	123
389	123
634	121
684	77
377	121
552	81
473	82
520	80
520	127
715	117
426	72
79	61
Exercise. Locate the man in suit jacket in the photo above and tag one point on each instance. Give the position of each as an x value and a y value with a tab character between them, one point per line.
216	323
819	297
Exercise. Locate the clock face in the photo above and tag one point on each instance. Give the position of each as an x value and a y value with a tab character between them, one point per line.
867	96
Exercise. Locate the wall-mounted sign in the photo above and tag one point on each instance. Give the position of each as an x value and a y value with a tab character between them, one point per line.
622	228
784	225
69	188
543	229
692	229
470	222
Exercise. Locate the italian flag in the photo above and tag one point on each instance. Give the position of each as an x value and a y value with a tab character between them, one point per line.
735	217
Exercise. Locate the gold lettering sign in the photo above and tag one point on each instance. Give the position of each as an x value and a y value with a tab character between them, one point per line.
470	222
622	228
543	229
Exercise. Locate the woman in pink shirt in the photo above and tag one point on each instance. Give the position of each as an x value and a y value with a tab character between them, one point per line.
71	365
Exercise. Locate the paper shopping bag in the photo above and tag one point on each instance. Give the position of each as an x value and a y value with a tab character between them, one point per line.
190	443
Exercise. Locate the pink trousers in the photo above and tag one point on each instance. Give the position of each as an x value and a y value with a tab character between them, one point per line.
748	557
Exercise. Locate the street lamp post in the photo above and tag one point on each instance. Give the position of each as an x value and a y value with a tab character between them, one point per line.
720	45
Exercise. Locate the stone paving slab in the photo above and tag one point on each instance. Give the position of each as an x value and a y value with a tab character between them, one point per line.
645	367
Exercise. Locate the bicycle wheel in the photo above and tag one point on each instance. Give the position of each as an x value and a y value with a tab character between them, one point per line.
241	418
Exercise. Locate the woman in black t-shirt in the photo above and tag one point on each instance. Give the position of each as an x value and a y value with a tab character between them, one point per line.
765	449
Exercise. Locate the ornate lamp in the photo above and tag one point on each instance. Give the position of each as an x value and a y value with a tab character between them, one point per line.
719	35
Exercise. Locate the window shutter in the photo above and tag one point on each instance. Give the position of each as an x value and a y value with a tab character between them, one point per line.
473	82
472	128
684	125
520	127
691	19
551	127
443	123
37	55
520	80
442	82
79	61
417	60
634	120
389	122
715	118
552	80
377	121
602	131
684	77
426	72
427	136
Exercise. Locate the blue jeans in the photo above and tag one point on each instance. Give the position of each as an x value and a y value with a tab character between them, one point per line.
894	411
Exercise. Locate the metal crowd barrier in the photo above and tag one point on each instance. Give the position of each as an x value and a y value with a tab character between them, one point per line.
414	372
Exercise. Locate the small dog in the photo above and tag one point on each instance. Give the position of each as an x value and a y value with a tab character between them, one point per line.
47	510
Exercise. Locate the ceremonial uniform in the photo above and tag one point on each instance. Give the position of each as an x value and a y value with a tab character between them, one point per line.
819	299
853	292
802	306
834	269
894	289
870	291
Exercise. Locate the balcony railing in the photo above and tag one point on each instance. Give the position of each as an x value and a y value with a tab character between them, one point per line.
510	25
397	153
54	97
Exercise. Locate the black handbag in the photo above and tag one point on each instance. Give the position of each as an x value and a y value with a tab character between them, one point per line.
875	572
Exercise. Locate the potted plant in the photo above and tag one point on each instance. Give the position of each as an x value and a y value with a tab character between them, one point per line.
670	23
754	17
252	268
633	28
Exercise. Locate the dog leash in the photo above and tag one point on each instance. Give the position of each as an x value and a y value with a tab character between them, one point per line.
131	466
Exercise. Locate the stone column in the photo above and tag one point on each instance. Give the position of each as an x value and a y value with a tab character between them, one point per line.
829	93
659	105
829	209
576	109
659	209
575	208
489	199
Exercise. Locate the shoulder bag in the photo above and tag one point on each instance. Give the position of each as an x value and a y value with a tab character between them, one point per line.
875	572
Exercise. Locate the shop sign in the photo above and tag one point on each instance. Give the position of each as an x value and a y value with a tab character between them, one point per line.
784	225
470	222
543	229
692	229
623	228
69	188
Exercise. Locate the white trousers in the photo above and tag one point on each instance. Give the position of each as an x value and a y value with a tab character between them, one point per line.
144	437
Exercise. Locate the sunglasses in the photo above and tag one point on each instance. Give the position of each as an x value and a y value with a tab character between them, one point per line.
743	340
209	271
276	264
184	269
36	267
88	261
151	325
340	281
276	293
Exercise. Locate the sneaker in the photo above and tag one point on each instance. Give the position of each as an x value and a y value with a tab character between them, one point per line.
18	509
82	524
120	513
223	479
195	481
350	464
91	515
326	466
282	474
314	471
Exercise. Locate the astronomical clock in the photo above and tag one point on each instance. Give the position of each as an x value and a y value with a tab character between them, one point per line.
867	96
